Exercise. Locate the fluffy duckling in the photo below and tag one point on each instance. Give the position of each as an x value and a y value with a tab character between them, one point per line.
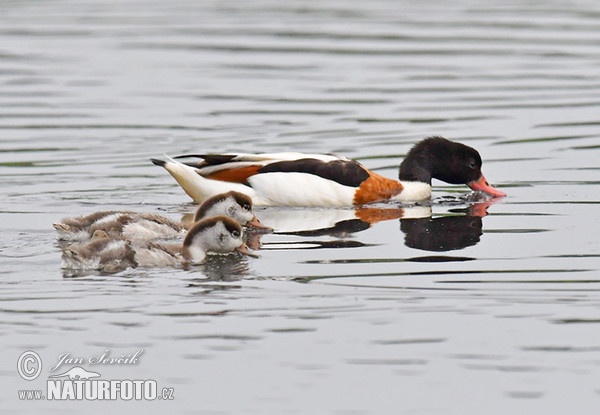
132	226
234	204
126	225
219	235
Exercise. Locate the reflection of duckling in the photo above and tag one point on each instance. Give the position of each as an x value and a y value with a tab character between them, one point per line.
148	226
219	235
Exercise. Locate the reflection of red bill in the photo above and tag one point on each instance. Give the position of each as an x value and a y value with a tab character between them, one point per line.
484	186
479	210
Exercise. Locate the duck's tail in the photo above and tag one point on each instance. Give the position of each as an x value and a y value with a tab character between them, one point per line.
195	185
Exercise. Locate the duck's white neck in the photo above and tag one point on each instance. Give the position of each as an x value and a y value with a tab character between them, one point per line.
194	253
414	192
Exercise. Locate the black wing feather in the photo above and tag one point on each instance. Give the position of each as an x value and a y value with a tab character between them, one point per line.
346	172
207	159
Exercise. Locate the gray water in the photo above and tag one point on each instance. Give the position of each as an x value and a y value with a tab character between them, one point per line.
451	314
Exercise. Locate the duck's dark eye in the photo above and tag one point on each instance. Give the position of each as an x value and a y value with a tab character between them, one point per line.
472	164
235	233
246	206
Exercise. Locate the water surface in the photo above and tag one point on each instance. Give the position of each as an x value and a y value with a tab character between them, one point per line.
455	311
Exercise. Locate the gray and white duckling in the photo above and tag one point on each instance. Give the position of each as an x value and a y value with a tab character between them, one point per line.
215	235
233	204
117	224
133	226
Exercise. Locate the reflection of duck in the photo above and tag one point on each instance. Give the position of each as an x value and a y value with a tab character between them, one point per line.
295	179
213	235
445	233
148	226
441	234
463	228
338	222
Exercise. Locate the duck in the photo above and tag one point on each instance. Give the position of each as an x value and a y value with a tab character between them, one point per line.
214	235
328	180
131	225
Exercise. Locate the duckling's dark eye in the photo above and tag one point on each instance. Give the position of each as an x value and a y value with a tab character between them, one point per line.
235	233
246	206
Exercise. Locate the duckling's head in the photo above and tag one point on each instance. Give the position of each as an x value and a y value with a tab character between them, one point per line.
233	204
219	235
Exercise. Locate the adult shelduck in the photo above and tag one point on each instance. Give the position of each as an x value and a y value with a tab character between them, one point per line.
297	179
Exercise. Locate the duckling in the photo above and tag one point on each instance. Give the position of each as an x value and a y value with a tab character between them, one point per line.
233	204
126	225
132	226
215	235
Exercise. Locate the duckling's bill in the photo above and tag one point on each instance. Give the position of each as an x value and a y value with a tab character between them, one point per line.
257	224
243	249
